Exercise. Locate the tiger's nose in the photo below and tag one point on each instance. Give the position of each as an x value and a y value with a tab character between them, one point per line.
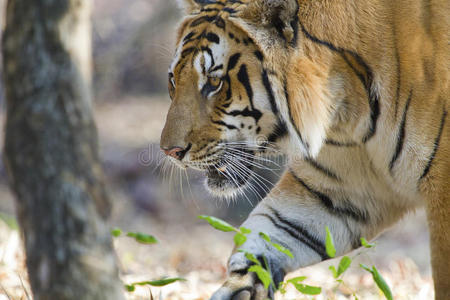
176	152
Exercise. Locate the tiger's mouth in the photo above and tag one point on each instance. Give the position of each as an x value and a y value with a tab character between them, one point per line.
229	176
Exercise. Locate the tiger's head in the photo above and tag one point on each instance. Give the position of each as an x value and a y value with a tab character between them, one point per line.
229	87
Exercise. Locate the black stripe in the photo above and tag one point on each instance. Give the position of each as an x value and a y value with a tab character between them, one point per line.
259	55
244	79
322	169
209	51
226	79
181	66
212	37
205	2
219	67
349	211
279	26
298	233
294	25
187	51
401	134
210	9
233	61
214	19
219	22
255	114
268	87
291	119
279	132
229	10
188	37
366	79
340	144
436	146
202	20
374	114
222	123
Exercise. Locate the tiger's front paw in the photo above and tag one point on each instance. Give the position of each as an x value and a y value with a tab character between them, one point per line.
245	285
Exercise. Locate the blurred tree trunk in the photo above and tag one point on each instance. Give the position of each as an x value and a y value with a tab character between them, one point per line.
51	151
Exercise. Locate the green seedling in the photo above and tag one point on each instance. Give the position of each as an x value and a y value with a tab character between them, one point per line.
156	283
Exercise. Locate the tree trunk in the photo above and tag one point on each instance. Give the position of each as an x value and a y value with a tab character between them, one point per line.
51	151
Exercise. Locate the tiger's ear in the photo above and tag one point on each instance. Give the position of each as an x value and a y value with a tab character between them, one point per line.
193	6
276	15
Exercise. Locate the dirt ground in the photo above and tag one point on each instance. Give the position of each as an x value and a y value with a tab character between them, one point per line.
189	248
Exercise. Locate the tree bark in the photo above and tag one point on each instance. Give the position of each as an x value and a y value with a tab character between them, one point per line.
51	151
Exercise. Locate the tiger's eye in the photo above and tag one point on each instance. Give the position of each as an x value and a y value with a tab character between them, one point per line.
214	81
212	86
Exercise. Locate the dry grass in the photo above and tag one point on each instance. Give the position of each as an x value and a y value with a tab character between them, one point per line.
198	254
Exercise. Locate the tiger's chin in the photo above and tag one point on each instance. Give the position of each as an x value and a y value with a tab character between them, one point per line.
224	182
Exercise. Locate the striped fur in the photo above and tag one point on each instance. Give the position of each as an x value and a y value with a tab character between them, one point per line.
354	93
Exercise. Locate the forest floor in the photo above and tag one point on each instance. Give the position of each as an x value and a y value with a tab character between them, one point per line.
198	253
188	247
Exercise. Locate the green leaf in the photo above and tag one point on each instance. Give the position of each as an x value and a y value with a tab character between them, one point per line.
379	280
115	232
245	230
283	250
304	288
130	287
381	283
343	265
264	236
365	268
251	257
297	279
160	282
333	270
329	245
262	274
218	224
307	289
142	238
279	247
366	244
239	239
282	287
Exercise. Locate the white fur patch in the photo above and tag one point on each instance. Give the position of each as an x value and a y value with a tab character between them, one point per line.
198	65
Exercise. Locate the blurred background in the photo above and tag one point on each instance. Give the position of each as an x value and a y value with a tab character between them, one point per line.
133	41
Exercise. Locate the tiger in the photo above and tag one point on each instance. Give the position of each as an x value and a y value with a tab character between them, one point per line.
355	94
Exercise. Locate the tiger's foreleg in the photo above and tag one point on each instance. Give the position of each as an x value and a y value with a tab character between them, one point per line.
438	211
436	188
295	218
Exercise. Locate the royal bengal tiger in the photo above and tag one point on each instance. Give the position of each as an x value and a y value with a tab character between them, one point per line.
358	90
